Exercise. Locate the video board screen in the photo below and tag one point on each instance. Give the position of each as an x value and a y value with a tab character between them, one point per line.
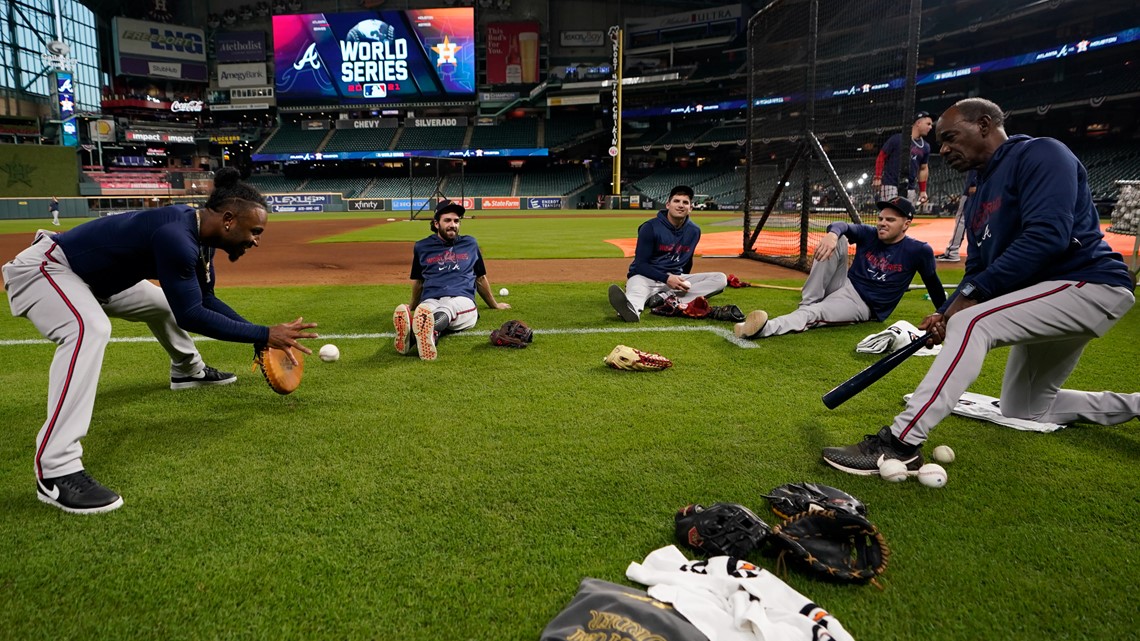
375	56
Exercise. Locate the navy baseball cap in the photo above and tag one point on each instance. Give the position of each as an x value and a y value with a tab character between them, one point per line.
922	114
899	204
445	205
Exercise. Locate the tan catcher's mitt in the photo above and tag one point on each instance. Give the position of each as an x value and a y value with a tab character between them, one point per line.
280	372
635	360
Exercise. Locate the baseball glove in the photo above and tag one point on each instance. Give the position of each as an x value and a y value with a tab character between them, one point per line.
635	360
832	545
698	307
282	375
513	333
733	281
670	306
723	529
791	499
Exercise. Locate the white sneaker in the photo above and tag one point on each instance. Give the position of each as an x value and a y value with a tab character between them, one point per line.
753	323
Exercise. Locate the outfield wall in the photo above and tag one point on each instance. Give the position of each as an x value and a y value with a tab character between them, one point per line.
38	171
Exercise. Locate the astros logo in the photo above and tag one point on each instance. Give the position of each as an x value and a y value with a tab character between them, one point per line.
446	52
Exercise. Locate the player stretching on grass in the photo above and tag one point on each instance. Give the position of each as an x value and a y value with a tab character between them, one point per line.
886	260
447	269
69	283
1039	277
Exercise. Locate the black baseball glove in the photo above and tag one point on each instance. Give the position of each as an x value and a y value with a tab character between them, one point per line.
832	545
513	333
791	499
723	529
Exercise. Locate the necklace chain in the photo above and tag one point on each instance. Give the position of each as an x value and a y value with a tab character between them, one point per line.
201	249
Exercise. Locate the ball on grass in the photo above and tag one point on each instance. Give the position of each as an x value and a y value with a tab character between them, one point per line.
932	475
943	454
893	470
503	292
329	353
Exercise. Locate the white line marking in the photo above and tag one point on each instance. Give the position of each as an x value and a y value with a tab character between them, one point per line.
719	331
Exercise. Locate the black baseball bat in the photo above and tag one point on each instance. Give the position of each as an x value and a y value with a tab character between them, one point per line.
872	373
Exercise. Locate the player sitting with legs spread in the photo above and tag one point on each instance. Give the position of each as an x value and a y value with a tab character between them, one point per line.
1039	278
663	260
447	269
886	260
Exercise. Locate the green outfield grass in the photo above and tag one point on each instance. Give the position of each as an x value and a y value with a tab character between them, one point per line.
390	498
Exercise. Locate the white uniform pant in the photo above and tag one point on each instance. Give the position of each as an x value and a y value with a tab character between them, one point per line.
887	192
828	298
959	229
42	287
1048	325
639	289
461	311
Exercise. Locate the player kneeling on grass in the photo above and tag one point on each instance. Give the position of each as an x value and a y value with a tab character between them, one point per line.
1039	278
663	260
447	270
886	260
69	283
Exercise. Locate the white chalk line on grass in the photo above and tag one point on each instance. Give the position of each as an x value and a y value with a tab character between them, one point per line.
719	331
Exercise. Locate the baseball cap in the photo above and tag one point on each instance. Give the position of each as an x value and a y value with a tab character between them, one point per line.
899	204
445	205
922	114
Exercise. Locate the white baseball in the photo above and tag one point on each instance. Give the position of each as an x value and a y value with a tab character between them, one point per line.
932	475
943	454
893	470
503	292
329	353
687	284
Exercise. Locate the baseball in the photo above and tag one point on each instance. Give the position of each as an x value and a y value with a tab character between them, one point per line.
687	284
943	454
503	292
329	353
893	470
932	475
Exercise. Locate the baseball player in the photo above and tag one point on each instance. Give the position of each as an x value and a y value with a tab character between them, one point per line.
68	284
447	270
53	209
1039	277
886	260
886	178
951	253
663	260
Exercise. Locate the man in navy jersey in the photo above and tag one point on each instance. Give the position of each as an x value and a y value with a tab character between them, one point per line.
68	284
447	270
663	260
888	162
1039	279
886	260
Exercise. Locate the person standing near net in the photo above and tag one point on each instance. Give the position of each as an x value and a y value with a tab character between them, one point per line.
886	260
886	178
951	253
1039	279
68	285
663	260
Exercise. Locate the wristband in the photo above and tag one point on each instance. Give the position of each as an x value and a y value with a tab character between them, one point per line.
921	186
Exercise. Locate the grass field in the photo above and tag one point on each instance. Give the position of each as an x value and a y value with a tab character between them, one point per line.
390	498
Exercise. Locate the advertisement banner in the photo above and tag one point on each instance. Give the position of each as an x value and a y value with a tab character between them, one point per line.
499	203
375	204
251	74
449	121
406	204
298	203
544	203
512	53
372	123
101	130
582	38
239	46
375	56
157	41
132	135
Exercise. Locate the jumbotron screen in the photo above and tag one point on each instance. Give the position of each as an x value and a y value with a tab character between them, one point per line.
375	56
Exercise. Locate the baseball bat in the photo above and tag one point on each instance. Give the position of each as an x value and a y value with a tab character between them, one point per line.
861	381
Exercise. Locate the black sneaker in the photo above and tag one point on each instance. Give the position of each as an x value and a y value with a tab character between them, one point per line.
77	493
947	258
208	376
730	313
865	457
621	305
655	301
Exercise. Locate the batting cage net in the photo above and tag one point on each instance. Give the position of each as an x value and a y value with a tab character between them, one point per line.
829	82
431	179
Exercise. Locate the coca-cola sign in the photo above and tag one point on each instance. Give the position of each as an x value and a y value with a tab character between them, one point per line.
189	106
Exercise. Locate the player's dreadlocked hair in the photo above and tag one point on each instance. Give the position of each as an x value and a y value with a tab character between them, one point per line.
228	187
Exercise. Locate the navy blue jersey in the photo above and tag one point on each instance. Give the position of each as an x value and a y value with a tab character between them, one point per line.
882	273
919	156
663	249
447	269
1032	219
114	253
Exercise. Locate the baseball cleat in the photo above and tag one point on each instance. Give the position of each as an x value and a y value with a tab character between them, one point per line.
621	305
402	321
865	457
208	376
423	326
753	323
947	258
77	493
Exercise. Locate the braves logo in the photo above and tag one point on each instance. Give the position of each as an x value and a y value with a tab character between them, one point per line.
309	63
675	251
448	261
